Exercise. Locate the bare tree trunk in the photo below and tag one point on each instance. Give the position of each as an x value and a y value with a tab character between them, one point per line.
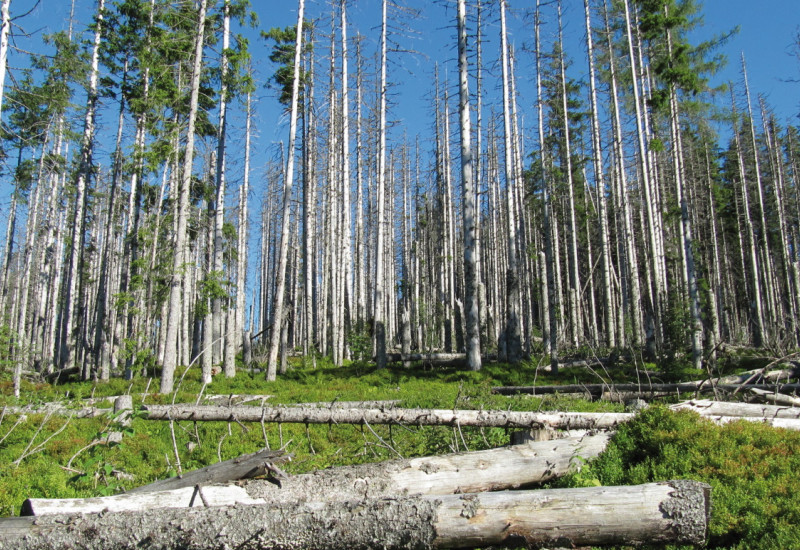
600	189
4	30
69	314
513	338
280	283
176	298
550	260
468	183
218	316
379	318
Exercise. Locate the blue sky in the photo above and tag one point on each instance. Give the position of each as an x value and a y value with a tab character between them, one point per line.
767	30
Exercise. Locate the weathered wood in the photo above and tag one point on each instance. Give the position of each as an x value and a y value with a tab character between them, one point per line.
241	467
675	512
235	399
642	389
380	404
495	469
418	417
706	407
186	497
59	409
776	398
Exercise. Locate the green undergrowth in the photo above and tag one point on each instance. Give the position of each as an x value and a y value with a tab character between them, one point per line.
751	467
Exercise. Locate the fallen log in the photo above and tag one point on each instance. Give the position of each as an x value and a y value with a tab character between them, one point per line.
435	358
381	404
672	512
409	417
642	389
491	470
706	407
58	409
234	399
776	398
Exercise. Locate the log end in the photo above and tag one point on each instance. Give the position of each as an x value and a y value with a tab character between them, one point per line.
689	507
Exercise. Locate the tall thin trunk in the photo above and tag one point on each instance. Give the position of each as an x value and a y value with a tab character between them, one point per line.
513	338
69	312
473	342
280	277
551	333
4	30
218	316
600	189
379	318
574	265
652	224
244	224
176	298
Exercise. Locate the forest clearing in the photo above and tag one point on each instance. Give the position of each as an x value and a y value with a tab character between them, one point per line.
349	238
63	452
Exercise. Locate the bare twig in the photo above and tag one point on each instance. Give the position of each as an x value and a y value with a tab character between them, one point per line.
382	441
175	448
28	451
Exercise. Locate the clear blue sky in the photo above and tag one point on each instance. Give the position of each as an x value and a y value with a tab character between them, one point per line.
767	30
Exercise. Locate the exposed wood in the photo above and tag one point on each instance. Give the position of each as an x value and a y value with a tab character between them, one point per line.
491	470
675	511
242	467
409	417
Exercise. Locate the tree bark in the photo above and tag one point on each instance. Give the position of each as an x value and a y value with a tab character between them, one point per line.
675	511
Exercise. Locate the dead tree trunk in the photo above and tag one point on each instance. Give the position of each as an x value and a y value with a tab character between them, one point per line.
408	417
675	512
490	470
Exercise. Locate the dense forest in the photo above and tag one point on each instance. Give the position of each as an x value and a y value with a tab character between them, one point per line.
629	209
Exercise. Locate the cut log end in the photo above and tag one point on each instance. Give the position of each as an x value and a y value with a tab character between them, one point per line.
690	507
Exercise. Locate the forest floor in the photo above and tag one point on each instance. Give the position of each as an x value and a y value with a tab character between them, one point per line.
751	467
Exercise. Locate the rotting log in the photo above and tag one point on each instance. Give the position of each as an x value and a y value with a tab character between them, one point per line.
408	417
671	512
241	467
472	472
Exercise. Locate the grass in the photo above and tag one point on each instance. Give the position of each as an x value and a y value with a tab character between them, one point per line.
751	467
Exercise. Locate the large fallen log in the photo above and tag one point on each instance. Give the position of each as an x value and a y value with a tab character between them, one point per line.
491	470
409	417
671	512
